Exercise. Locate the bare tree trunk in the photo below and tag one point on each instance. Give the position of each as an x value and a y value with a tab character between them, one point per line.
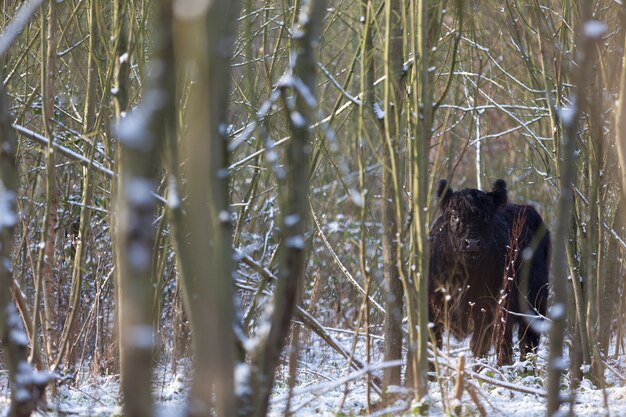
89	117
620	137
620	122
121	55
46	255
595	235
367	92
176	217
425	27
391	203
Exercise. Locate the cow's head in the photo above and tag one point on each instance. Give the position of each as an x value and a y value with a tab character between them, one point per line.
469	218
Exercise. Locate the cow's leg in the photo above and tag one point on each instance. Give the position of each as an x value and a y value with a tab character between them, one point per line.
435	317
435	327
529	340
483	329
528	337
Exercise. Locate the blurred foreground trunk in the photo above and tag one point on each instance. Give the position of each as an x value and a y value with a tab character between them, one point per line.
590	32
26	386
207	38
142	137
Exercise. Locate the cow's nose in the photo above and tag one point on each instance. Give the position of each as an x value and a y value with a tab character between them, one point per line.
471	245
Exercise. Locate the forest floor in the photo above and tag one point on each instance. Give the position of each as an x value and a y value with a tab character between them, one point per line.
321	390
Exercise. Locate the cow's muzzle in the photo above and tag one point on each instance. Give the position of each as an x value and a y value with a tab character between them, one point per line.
471	245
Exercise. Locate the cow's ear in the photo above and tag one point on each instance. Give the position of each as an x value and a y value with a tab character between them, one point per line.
498	193
443	191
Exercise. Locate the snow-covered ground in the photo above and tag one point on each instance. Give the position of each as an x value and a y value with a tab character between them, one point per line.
516	398
322	390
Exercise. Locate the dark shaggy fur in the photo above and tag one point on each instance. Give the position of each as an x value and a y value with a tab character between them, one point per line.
477	266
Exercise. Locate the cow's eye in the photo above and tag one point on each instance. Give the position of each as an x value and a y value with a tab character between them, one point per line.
454	219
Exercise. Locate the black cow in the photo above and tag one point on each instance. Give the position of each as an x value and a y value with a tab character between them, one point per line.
489	262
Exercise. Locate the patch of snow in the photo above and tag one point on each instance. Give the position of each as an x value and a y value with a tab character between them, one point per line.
321	368
8	217
138	191
556	312
292	220
6	264
595	29
305	92
356	197
271	156
139	256
333	227
224	216
295	242
398	389
285	81
18	337
242	379
527	254
41	378
173	200
567	114
297	119
560	364
378	111
141	337
22	395
134	130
